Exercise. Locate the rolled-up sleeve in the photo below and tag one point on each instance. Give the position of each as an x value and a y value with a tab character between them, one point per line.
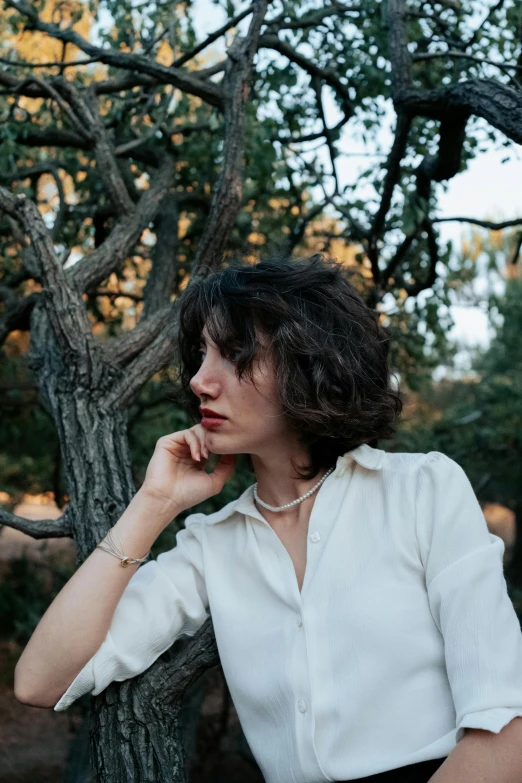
165	599
468	597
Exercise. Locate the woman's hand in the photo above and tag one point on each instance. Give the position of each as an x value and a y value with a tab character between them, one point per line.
176	470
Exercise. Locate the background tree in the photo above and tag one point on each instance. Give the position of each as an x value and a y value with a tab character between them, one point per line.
477	419
130	165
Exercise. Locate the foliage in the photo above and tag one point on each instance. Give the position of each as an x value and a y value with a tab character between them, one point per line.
27	588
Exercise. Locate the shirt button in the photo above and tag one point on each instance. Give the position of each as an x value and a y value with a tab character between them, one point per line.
315	537
299	621
302	705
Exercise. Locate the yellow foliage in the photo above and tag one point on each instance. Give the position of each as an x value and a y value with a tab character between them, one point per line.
278	203
104	305
16	343
194	103
472	248
496	239
105	106
99	72
35	46
339	249
256	238
113	284
478	245
48	192
31	105
142	183
165	55
183	225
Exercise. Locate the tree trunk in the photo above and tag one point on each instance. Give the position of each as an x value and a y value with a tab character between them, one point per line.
514	570
134	736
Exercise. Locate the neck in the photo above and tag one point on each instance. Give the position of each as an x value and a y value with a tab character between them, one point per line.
277	484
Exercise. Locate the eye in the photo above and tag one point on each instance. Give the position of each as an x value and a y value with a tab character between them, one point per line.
234	356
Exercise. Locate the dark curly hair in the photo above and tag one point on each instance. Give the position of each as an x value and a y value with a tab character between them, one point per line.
330	351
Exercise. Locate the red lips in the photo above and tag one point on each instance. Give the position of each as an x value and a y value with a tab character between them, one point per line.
209	413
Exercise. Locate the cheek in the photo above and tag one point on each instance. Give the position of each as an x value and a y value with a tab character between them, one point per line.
265	396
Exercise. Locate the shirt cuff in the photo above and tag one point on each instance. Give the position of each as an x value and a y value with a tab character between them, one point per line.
82	683
493	719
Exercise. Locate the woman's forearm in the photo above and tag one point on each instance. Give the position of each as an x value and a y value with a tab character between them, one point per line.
76	623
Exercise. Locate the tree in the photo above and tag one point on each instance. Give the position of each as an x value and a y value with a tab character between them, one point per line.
477	419
127	158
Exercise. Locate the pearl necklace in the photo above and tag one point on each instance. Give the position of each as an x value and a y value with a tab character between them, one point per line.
294	502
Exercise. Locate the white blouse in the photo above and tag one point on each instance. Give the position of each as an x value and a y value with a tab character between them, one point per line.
403	634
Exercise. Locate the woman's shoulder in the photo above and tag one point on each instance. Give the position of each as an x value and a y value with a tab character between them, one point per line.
418	462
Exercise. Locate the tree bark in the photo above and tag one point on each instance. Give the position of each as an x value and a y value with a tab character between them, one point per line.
514	570
135	731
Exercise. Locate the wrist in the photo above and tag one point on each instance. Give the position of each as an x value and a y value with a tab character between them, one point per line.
142	522
163	507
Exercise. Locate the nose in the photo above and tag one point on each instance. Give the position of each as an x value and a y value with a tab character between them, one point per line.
204	382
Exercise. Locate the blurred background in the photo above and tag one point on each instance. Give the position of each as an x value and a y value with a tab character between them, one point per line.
320	127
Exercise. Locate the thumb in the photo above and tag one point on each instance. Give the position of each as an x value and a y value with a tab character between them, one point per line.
224	468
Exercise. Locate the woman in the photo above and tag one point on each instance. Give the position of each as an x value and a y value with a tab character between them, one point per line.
357	597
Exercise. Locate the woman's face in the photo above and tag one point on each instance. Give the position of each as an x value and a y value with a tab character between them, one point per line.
254	417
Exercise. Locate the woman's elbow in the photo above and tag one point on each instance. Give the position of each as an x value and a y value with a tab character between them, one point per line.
26	693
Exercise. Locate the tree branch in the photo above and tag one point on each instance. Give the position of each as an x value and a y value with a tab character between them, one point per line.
39	528
64	305
413	289
317	87
497	103
92	269
228	191
393	172
87	111
159	352
122	349
162	276
212	37
17	314
483	223
177	676
185	81
327	75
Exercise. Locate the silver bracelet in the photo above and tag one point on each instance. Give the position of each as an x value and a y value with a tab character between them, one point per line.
116	551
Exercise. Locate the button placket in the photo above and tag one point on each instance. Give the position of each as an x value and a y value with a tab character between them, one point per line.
302	705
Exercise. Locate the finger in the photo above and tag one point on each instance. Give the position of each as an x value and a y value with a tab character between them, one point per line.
201	435
224	468
193	443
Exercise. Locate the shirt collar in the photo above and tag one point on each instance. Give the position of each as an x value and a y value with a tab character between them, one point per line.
364	455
